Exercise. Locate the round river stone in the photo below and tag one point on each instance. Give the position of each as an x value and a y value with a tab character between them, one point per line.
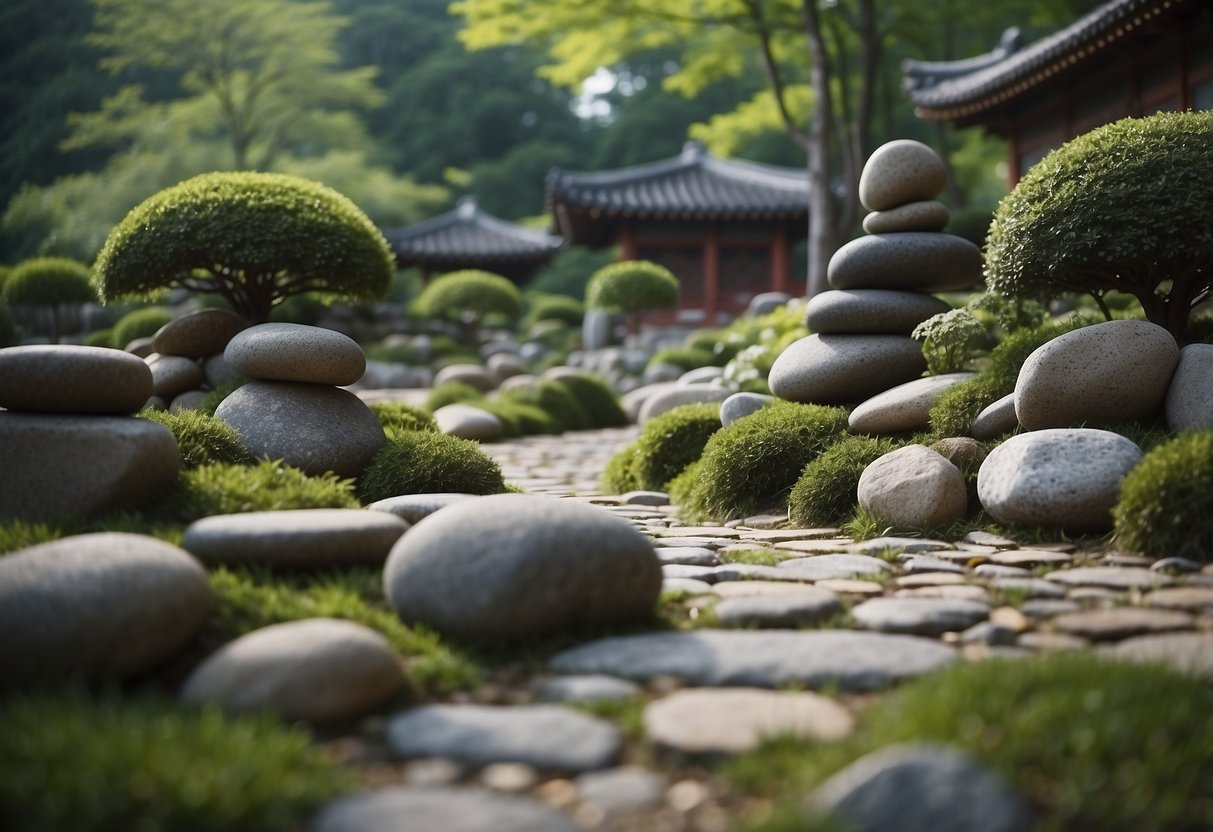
294	352
198	334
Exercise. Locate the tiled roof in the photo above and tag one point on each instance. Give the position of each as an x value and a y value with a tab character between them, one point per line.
939	91
468	236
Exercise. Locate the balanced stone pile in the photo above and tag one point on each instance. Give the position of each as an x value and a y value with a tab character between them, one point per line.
861	343
187	357
68	440
293	409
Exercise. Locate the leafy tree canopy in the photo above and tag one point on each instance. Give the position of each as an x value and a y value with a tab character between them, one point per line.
633	286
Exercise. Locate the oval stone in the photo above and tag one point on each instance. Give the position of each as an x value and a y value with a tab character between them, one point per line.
317	669
173	375
310	426
469	422
911	260
996	419
294	352
472	374
69	379
679	395
914	487
899	172
512	566
412	508
1189	402
740	405
96	606
301	538
904	408
913	216
1111	373
834	369
198	334
870	311
1062	479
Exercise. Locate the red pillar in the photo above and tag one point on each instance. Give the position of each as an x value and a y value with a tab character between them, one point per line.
711	275
781	272
627	243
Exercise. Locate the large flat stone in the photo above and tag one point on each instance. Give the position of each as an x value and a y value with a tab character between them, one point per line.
47	378
432	809
1189	402
294	352
851	311
924	215
835	369
904	408
315	537
922	616
915	260
199	334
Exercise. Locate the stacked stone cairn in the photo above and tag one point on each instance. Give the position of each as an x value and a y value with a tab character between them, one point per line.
186	358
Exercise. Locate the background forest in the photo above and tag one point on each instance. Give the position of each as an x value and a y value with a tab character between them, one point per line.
104	102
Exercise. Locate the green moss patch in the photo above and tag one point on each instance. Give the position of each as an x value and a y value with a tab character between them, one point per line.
223	488
398	416
414	462
667	444
203	438
825	494
1166	501
598	401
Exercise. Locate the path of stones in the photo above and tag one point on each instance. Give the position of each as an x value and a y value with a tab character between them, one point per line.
905	606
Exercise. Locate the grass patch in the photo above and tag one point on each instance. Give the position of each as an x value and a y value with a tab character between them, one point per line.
21	534
416	462
397	416
826	492
224	488
627	714
203	439
452	392
757	557
599	402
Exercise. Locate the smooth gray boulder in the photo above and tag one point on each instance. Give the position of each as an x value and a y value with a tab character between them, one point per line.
412	508
310	426
434	809
810	606
1110	373
925	215
904	408
469	422
474	375
633	400
58	467
96	607
701	375
1060	478
199	334
189	400
315	669
216	371
173	375
312	537
58	378
870	311
764	303
740	405
679	395
900	172
511	566
914	487
995	419
920	616
917	260
1189	402
295	352
835	369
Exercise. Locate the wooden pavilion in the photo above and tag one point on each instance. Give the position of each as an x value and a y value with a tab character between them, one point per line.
469	238
1125	58
725	228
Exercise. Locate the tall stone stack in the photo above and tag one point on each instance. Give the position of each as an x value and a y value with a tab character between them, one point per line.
293	409
187	357
880	285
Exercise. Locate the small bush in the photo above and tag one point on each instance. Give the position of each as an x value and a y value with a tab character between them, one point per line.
714	341
203	439
685	358
452	392
77	762
470	298
633	287
395	354
50	283
561	308
556	400
619	475
426	463
223	488
521	419
826	492
398	416
99	338
948	340
667	444
596	398
140	323
1166	501
752	464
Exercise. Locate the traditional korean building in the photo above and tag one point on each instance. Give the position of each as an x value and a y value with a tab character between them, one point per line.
469	238
1125	58
725	228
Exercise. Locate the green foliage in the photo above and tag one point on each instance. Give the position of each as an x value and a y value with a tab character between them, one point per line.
554	308
596	399
1124	207
18	534
140	323
825	494
632	287
757	342
395	354
1066	731
714	341
556	400
1166	501
752	464
249	599
398	416
519	419
9	334
203	439
75	761
667	444
211	401
471	297
451	392
686	358
254	238
49	281
224	488
948	339
416	462
569	271
99	338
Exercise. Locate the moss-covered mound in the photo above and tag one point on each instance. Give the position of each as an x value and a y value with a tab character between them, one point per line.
751	465
451	392
596	398
425	463
224	488
398	416
556	400
1166	501
140	323
825	494
685	358
667	444
520	419
203	438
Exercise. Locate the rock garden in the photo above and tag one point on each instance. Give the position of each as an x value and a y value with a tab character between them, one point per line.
912	555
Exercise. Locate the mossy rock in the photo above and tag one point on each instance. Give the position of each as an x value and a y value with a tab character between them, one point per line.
268	485
667	444
1166	501
425	463
596	398
397	416
203	439
826	492
452	392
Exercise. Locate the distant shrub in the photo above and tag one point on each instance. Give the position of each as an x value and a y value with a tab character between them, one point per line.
424	463
687	358
619	475
9	334
203	439
554	399
470	298
451	392
667	444
395	354
140	323
1166	501
826	492
99	338
226	488
633	287
50	283
396	416
948	339
560	308
714	341
521	419
597	399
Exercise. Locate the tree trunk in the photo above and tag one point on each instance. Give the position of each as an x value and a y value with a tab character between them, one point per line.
822	209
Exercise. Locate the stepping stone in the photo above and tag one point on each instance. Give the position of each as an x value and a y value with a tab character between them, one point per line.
713	532
843	311
994	570
1029	587
922	616
412	508
294	352
986	539
796	609
96	607
854	661
199	334
900	172
736	720
707	574
905	408
1193	598
645	498
1184	652
832	567
1029	557
1046	642
430	809
316	669
924	215
915	260
1048	607
173	375
1111	577
306	538
920	563
689	555
848	587
678	396
837	369
550	738
760	588
623	789
921	579
69	379
911	545
591	688
473	375
685	585
469	422
960	592
1122	622
837	545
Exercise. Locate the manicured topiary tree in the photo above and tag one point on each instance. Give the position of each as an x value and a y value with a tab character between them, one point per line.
252	238
139	323
555	308
1126	207
632	287
1166	501
50	283
468	297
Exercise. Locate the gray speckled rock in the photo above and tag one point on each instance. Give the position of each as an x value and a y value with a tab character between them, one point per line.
294	352
870	311
413	507
68	379
216	372
996	419
904	408
1189	402
766	658
633	400
198	334
740	405
833	369
590	688
503	365
60	467
809	606
679	395
316	669
911	260
310	426
735	720
1064	479
430	809
547	737
473	374
928	215
1184	652
303	537
96	606
469	422
1110	373
622	789
900	172
921	616
173	375
1111	577
512	565
1122	622
189	400
921	788
914	487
